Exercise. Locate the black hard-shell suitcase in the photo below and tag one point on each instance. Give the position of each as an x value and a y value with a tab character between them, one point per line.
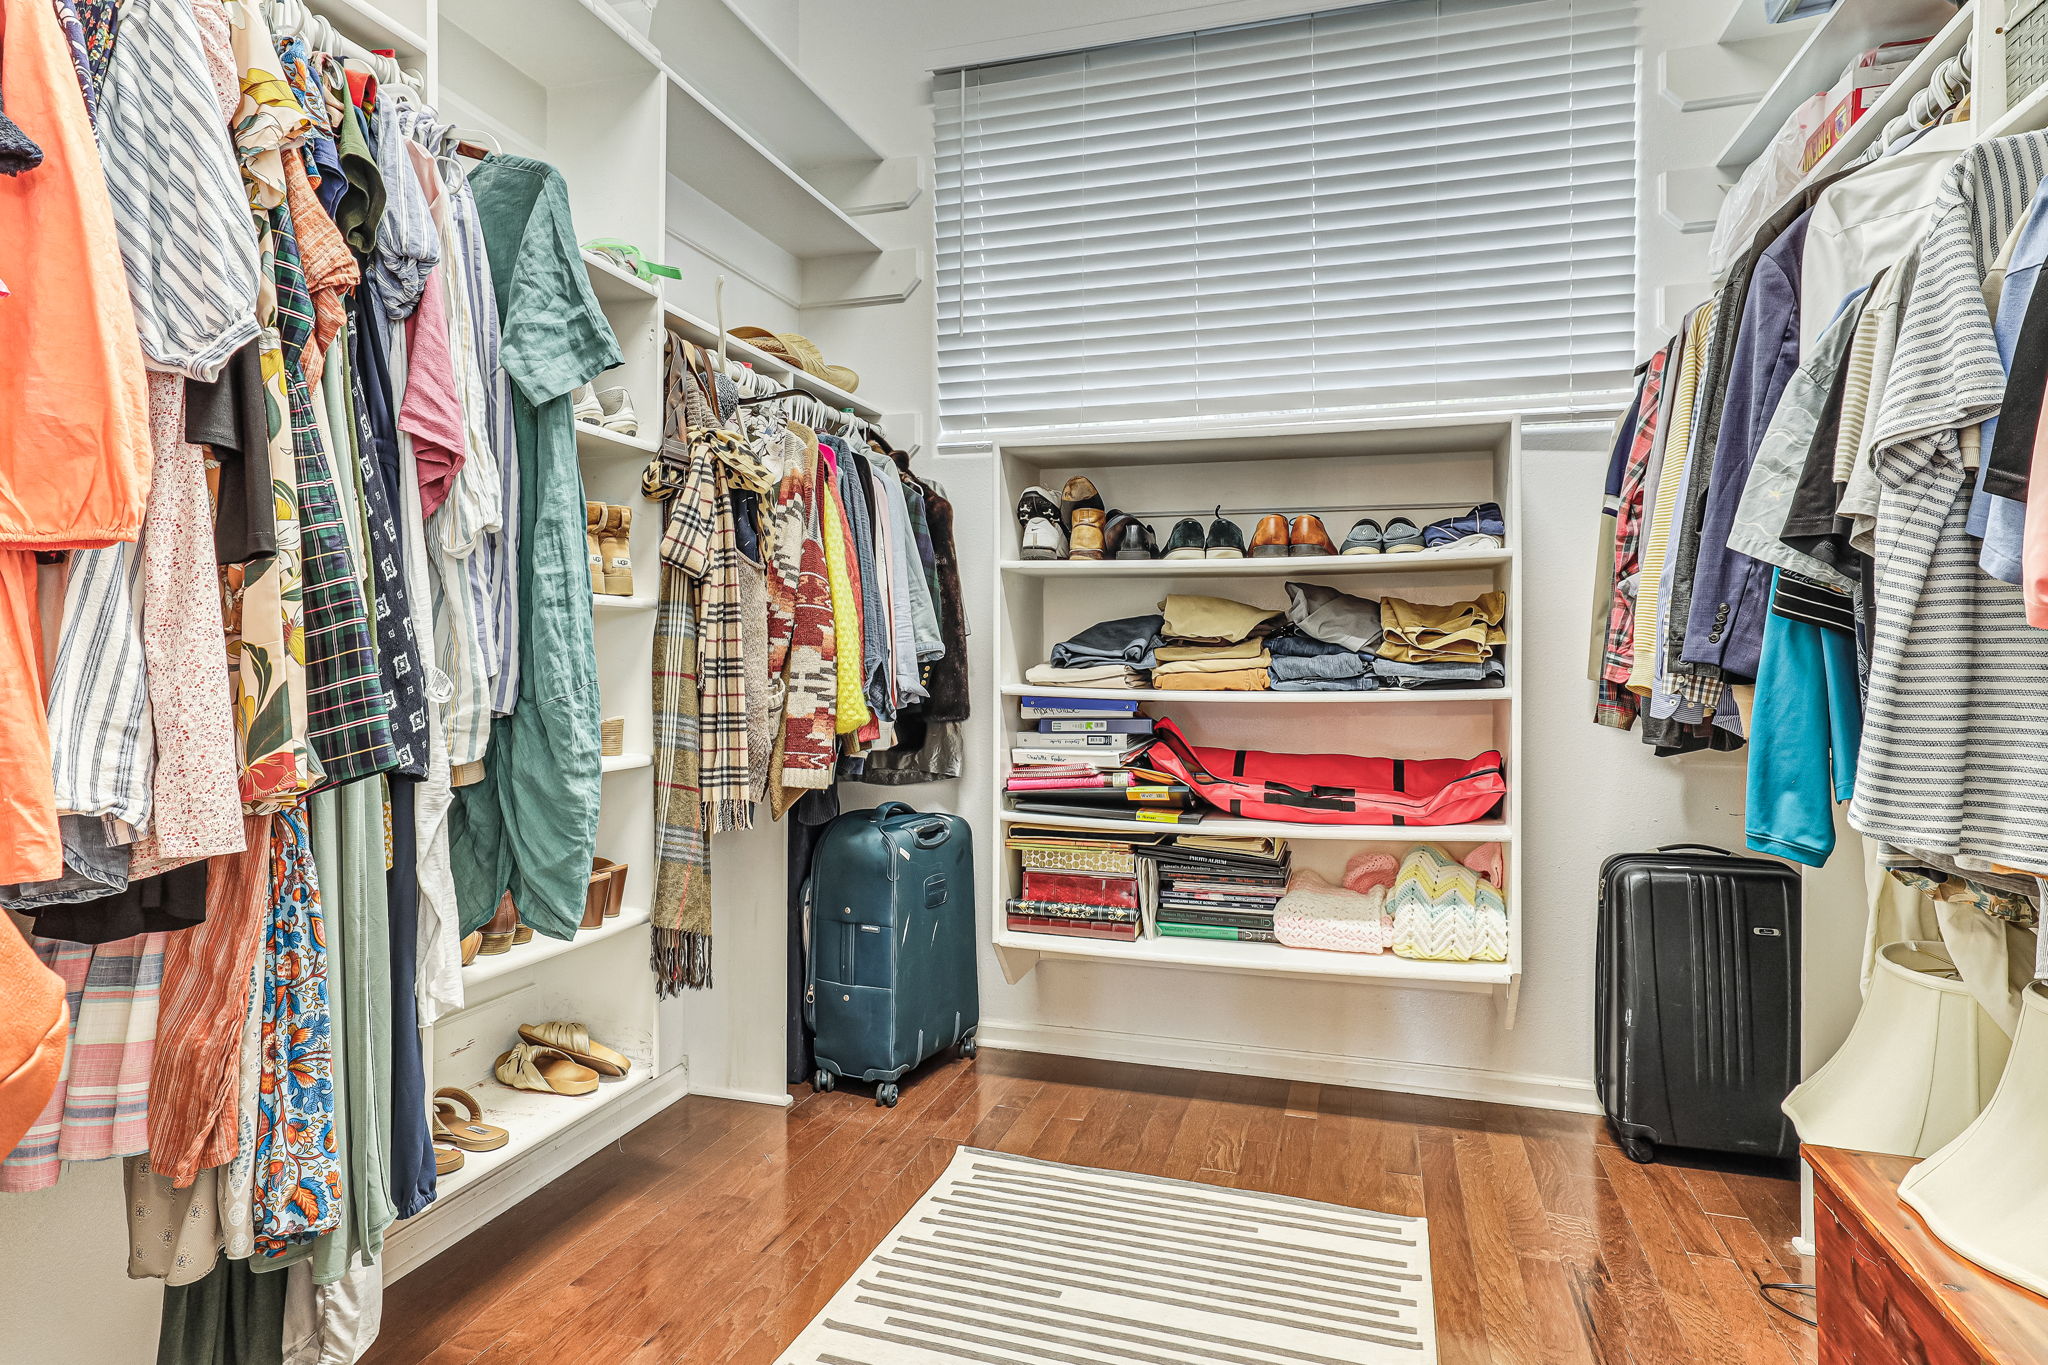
1698	980
890	913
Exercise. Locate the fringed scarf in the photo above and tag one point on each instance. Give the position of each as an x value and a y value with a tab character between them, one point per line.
681	910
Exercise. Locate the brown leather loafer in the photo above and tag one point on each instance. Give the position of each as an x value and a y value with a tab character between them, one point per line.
1079	494
1086	540
1269	538
1307	537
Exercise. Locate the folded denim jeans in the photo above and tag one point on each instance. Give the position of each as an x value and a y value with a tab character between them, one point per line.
1364	683
1290	644
1332	666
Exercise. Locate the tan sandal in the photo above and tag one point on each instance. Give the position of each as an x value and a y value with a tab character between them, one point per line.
447	1160
548	1070
472	944
468	1131
574	1040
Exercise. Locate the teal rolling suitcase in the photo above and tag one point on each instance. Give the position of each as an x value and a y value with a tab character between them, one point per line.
890	914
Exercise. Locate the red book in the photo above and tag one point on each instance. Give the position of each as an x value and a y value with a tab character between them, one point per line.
1082	888
1074	928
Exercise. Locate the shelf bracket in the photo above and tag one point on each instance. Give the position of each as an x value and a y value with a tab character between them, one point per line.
860	281
1690	199
1015	962
1720	75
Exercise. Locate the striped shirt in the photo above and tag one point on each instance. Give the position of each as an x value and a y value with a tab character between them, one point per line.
1955	747
187	241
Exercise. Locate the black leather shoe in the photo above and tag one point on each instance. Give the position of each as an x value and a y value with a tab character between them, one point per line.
1186	541
1226	540
1129	538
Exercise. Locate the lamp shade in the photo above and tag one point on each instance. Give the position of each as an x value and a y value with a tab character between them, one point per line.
1918	1067
1986	1193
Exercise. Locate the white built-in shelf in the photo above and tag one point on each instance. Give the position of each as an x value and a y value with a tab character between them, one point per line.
538	949
717	48
553	42
594	441
534	1120
2028	116
625	763
1484	832
1746	21
1268	959
1394	463
693	328
1367	697
611	601
729	166
1852	27
372	27
616	285
1317	566
1106	448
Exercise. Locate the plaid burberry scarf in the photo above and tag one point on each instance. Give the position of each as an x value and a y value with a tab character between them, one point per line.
681	910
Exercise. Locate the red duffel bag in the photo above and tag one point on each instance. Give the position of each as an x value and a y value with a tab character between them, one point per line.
1329	789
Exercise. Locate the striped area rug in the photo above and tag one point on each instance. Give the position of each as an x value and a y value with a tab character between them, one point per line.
1010	1261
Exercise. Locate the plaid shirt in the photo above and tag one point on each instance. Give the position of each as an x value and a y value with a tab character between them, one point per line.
1617	706
348	715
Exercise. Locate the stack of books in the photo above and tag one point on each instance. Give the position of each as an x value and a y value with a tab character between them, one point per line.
1077	883
1076	760
1212	887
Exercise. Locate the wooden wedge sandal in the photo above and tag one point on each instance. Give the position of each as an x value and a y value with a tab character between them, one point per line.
548	1070
458	1121
574	1040
447	1160
502	929
472	944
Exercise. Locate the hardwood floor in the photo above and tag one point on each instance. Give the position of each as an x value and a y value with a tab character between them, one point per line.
714	1232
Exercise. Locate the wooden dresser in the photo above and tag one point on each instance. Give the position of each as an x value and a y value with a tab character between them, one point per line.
1891	1293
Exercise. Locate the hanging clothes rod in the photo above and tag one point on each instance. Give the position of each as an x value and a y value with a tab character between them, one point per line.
1295	511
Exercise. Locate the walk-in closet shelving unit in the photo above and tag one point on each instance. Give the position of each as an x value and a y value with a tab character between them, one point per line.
1424	468
572	83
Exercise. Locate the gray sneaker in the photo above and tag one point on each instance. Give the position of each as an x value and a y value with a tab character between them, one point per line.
1365	538
1402	537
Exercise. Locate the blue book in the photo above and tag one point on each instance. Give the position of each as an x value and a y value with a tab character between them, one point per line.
1107	705
1076	725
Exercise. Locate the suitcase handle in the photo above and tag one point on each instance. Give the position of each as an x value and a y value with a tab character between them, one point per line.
889	808
1697	848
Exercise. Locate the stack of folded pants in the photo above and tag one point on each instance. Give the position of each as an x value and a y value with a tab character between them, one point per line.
1429	644
1212	644
1329	644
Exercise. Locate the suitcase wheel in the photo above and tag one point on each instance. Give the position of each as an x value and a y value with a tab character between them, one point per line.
823	1080
1642	1151
886	1094
968	1047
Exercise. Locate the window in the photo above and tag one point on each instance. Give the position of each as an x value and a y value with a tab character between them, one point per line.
1417	202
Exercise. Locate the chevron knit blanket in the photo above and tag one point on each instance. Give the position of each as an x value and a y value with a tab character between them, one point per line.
1445	912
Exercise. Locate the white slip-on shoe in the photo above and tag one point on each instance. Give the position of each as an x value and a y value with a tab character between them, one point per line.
584	404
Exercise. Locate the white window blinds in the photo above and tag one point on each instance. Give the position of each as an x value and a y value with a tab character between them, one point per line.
1411	202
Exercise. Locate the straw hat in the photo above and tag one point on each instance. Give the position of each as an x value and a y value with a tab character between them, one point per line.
796	349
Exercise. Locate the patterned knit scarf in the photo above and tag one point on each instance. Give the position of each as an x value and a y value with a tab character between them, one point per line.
700	680
681	909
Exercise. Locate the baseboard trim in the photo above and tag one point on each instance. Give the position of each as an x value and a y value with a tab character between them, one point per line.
1369	1073
416	1241
780	1099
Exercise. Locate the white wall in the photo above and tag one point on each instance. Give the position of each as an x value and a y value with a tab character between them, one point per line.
1590	791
